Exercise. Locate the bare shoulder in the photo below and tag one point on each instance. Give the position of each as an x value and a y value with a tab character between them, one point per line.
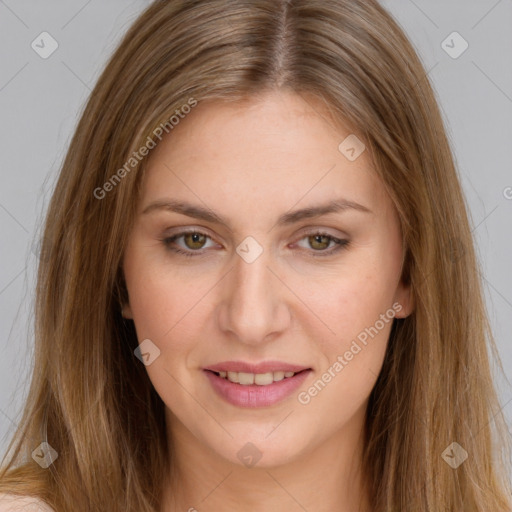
13	503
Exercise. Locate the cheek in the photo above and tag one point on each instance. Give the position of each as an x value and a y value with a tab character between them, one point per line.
354	301
162	298
152	305
357	306
360	313
166	310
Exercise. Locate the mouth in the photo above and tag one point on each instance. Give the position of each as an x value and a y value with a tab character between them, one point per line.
247	385
258	379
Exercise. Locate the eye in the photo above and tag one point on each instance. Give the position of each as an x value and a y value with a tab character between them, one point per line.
193	241
324	244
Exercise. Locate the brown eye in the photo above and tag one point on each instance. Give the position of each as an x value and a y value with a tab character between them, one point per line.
194	240
322	244
319	242
188	243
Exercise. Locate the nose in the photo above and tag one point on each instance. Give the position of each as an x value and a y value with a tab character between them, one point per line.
253	307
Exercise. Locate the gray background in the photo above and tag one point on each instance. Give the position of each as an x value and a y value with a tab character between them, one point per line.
40	100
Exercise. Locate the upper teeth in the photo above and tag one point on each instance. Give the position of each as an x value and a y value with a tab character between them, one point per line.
261	379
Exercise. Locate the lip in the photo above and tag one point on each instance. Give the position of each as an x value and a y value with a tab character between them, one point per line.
264	367
254	396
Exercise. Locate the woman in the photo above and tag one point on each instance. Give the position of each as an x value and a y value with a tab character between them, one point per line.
257	271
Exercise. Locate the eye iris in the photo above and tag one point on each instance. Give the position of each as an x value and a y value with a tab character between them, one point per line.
321	239
196	238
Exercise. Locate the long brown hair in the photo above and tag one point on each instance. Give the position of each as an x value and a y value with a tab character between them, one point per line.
91	399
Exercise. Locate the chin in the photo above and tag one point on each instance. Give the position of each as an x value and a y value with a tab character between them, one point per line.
254	449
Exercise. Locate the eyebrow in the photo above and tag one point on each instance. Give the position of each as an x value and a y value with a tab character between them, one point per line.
198	212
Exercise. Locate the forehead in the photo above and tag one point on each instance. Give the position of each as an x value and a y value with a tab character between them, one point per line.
274	150
273	121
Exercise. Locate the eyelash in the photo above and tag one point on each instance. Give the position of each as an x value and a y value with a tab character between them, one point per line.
340	244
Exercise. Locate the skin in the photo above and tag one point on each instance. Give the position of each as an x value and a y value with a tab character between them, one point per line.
252	162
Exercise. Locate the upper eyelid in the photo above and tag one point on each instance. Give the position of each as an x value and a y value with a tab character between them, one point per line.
179	234
308	230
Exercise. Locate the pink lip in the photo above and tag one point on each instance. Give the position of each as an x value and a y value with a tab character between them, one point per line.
253	395
265	367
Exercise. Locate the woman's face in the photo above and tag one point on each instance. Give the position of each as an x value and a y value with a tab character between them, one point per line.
263	244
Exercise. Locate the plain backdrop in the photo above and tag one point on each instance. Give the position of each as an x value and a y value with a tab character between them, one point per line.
41	99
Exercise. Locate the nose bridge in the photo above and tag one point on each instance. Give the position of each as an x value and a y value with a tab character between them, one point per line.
252	306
